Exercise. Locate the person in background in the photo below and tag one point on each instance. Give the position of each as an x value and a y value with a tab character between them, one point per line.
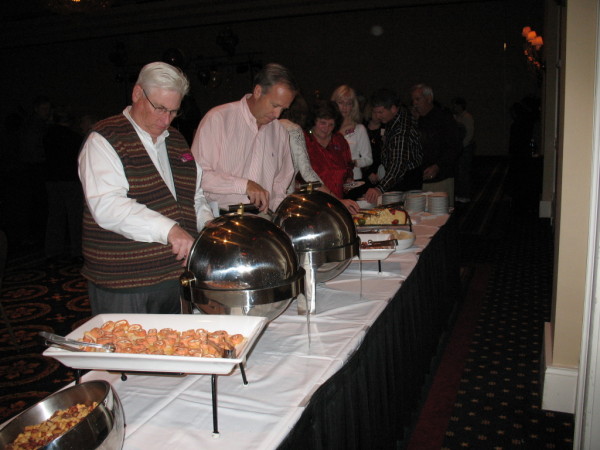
373	173
353	129
12	180
244	152
440	139
401	154
329	151
525	170
144	205
465	161
33	131
33	181
65	198
86	122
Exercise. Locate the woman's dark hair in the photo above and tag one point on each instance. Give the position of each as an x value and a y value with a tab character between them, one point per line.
297	112
325	109
384	97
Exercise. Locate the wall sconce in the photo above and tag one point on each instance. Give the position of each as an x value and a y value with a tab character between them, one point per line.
532	48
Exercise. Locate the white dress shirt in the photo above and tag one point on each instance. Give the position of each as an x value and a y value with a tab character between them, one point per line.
231	150
105	187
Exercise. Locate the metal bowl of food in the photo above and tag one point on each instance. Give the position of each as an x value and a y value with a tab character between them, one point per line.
242	264
102	428
323	234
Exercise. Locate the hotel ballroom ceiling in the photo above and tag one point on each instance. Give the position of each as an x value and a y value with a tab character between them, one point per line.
33	22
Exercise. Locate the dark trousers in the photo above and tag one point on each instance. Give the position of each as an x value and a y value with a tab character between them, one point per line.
165	299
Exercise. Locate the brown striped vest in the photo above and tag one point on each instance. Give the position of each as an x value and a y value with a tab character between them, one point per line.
113	261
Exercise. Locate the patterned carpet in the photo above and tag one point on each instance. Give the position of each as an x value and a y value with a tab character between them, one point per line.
37	297
487	391
498	404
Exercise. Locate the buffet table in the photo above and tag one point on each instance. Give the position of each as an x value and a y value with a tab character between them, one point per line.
350	376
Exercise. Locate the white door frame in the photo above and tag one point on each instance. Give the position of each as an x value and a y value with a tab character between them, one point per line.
587	406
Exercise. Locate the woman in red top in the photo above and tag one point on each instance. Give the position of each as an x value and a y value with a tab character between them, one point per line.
328	150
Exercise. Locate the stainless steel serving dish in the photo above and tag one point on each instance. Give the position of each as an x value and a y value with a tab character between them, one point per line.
323	235
242	264
103	428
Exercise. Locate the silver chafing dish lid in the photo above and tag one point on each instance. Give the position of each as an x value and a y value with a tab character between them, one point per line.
243	260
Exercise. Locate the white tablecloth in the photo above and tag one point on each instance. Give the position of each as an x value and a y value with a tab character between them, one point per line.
283	370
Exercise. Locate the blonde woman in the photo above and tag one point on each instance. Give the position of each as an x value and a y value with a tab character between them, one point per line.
352	129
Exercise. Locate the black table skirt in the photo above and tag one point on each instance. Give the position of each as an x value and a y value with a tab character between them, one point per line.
371	401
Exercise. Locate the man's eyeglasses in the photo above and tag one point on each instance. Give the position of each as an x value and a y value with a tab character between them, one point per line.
161	109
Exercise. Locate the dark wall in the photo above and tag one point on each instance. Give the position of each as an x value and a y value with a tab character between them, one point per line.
469	49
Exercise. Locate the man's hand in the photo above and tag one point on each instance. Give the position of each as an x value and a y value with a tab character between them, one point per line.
350	205
431	172
372	195
257	195
181	243
373	178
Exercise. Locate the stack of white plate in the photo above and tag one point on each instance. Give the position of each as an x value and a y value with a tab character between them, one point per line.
363	204
392	197
437	203
415	202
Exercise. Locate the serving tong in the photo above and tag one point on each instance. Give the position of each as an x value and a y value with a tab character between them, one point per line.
397	205
381	244
73	345
251	208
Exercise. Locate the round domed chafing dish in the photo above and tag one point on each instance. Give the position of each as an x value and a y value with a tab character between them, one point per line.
242	264
323	235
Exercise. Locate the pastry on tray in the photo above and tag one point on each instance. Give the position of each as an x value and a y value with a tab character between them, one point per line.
381	216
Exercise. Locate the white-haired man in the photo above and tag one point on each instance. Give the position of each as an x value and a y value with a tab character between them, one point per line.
440	139
144	205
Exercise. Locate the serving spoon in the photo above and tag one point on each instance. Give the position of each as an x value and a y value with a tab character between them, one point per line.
73	345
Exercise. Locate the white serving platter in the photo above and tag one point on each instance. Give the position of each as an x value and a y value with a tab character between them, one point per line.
375	237
248	326
370	254
406	240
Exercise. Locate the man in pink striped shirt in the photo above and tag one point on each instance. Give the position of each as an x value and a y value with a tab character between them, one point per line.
244	152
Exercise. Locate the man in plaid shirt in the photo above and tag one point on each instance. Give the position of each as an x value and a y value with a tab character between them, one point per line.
401	153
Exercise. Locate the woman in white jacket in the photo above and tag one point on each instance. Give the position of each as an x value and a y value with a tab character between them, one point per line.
353	129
